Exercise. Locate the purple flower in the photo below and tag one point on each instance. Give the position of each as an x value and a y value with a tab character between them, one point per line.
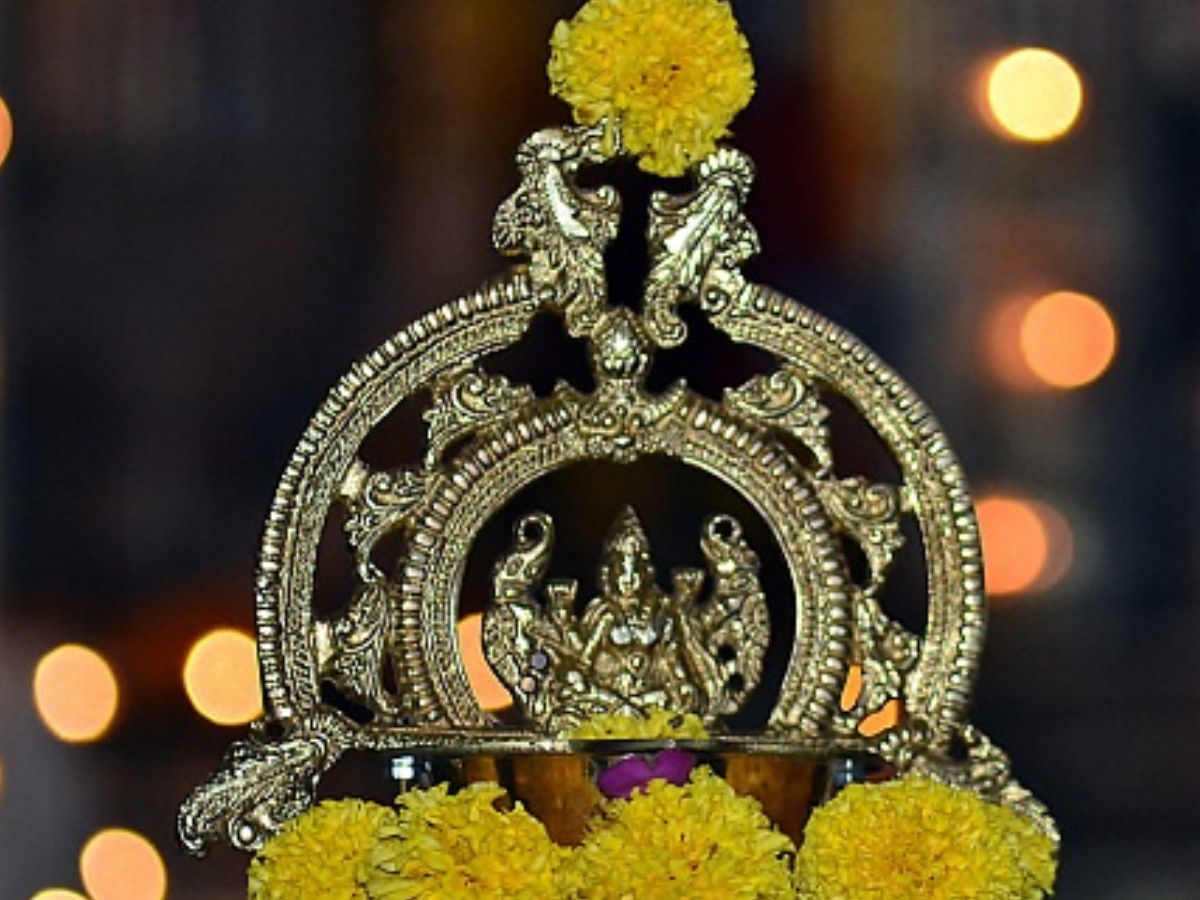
619	780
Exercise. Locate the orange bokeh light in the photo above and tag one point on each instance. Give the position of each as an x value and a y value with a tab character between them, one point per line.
1068	340
1059	341
6	131
1061	540
221	677
58	894
76	693
1015	544
117	864
1000	344
490	692
1031	94
1027	545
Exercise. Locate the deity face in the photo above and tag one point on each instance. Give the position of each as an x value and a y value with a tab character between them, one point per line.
628	569
627	575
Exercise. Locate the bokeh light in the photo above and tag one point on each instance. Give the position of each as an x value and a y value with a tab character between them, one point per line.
117	864
221	677
1060	341
489	690
1068	340
1032	94
1060	543
6	131
1027	545
1015	544
1000	344
58	894
76	693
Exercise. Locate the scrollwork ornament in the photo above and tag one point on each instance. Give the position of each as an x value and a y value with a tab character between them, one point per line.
622	422
264	783
785	400
376	503
560	228
621	419
697	244
869	513
351	648
465	401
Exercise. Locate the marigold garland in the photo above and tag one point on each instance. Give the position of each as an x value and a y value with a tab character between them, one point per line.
702	841
461	847
317	855
917	839
666	77
654	724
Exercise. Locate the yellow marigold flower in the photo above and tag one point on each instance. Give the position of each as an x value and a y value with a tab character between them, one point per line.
917	839
701	841
666	76
461	847
317	855
656	724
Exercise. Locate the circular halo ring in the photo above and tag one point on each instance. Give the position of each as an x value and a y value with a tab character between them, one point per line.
495	317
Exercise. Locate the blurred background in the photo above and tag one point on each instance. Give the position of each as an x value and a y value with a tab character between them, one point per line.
209	209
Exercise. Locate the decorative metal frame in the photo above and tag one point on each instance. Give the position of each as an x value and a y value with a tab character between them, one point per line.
394	650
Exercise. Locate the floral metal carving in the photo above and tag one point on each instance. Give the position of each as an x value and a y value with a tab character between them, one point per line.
464	401
392	653
698	243
559	227
264	783
786	401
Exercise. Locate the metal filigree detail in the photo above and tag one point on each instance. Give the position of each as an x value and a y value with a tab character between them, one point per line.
376	503
264	783
393	651
619	421
870	514
785	400
634	647
698	243
934	489
886	653
559	227
465	401
350	649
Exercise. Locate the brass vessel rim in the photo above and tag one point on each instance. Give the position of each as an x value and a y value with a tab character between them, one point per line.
522	744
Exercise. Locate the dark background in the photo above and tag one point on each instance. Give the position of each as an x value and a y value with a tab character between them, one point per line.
211	208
